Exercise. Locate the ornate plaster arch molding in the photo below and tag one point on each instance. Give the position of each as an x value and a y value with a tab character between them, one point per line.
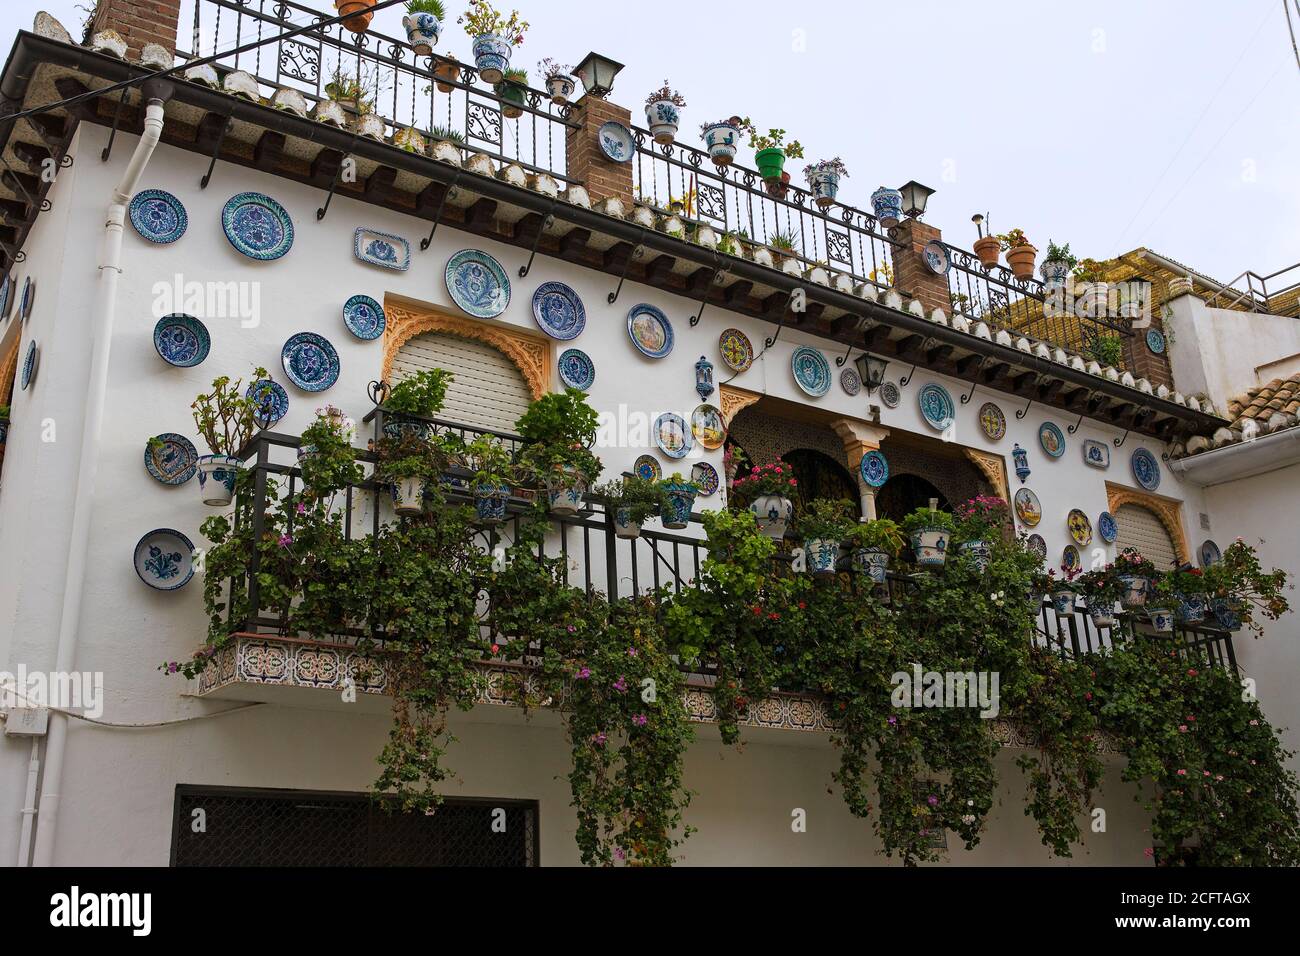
9	369
1169	511
994	468
732	400
406	321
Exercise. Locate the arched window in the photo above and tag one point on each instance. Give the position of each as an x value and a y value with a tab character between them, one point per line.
487	388
1141	529
903	494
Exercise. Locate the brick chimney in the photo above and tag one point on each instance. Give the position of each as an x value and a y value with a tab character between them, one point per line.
586	163
911	275
139	22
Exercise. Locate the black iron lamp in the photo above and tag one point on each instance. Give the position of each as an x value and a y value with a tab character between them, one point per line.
915	196
871	369
597	74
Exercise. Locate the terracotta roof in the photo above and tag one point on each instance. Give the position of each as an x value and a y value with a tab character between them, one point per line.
1261	410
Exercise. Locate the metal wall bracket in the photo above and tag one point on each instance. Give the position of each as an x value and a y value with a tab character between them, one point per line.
704	300
1119	442
547	220
117	119
636	253
839	362
334	183
1024	411
965	399
437	216
216	151
780	323
1075	427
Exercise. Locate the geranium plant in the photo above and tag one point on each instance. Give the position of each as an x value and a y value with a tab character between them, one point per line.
636	496
825	519
981	518
561	428
1013	239
880	535
772	139
421	394
666	92
776	478
929	519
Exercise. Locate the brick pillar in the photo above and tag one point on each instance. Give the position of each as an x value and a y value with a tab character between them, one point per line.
604	178
911	275
139	22
1142	362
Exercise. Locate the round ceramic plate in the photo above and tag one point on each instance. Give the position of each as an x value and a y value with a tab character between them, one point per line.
1107	527
706	476
310	361
477	283
707	427
890	395
257	226
1036	544
935	256
936	406
558	311
992	421
874	468
616	141
272	401
672	435
1050	437
158	215
1028	508
6	297
1156	341
650	330
812	373
364	317
1070	558
577	369
1080	527
737	351
31	362
29	296
164	559
647	468
181	340
1209	553
171	458
850	382
1146	469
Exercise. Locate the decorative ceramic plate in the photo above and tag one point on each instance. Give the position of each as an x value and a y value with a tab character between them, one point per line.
29	296
31	362
1209	553
1028	508
890	395
936	406
1107	527
874	469
850	382
181	340
706	476
1146	469
158	215
650	330
477	283
647	468
1050	437
1070	558
171	458
1080	527
257	226
1096	453
616	141
1036	544
577	369
737	351
164	559
272	401
310	361
364	317
381	249
6	297
558	311
812	373
935	256
1156	341
992	421
672	435
707	427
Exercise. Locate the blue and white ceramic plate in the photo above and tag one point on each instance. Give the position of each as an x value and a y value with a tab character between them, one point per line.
616	141
672	435
364	317
1146	469
647	468
164	559
890	395
30	363
6	297
29	296
874	469
1096	453
181	340
650	330
1052	440
1071	558
936	406
707	427
558	311
381	249
1209	553
1036	544
576	369
1107	527
257	226
812	373
158	216
935	256
477	283
1156	341
272	401
706	476
850	381
171	458
310	361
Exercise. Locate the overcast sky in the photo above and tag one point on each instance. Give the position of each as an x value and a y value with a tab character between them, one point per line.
1107	124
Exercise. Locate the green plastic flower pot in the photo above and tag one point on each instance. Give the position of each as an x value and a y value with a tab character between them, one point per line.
770	162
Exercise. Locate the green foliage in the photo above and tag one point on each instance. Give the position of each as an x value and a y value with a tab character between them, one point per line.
641	498
1061	254
225	416
561	427
491	462
982	518
775	478
773	139
1013	239
434	7
420	394
923	519
826	519
1108	350
880	534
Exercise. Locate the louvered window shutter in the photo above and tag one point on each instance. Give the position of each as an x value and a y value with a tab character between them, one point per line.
487	388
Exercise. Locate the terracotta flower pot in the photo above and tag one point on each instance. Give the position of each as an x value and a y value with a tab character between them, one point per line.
1021	261
987	248
448	72
357	12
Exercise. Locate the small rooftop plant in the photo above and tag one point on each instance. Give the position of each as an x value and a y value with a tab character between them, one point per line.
666	92
548	68
773	139
824	166
482	19
1061	254
433	7
1013	239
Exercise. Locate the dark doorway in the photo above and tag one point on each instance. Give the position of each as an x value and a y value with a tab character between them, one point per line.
819	476
903	494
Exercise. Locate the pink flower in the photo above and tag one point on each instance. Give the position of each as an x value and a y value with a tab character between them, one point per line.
584	673
631	652
1182	773
1182	728
286	540
302	508
599	739
639	720
1149	852
620	685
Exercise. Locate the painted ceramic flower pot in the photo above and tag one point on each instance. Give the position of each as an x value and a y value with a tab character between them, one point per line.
561	87
512	99
1102	613
987	248
1135	590
1063	601
564	494
408	496
1161	618
825	186
721	139
980	552
770	162
398	427
663	117
422	30
358	13
888	205
1226	615
1192	608
490	503
1020	259
772	513
822	554
678	502
624	526
217	474
447	72
930	546
872	562
1054	273
491	57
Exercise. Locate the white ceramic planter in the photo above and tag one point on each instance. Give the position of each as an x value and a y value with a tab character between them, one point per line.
663	118
408	496
872	562
930	546
821	555
422	31
491	57
721	140
772	513
624	526
561	88
217	474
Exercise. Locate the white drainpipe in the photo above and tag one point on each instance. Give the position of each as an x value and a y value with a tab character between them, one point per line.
102	330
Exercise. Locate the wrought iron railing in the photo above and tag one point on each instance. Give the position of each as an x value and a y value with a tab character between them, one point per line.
403	87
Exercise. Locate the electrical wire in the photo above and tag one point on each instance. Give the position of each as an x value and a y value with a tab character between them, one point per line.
127	726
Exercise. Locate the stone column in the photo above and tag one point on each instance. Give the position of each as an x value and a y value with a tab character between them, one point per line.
860	437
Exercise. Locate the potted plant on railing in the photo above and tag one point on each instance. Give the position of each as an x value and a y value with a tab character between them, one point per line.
325	452
929	530
1100	588
678	499
494	35
411	463
1092	293
423	23
629	502
823	526
824	178
1020	253
980	521
784	243
226	418
512	89
1237	586
446	71
1189	589
561	428
1135	575
871	545
1056	267
887	204
358	13
558	79
767	489
494	477
770	151
721	139
353	92
414	398
1107	349
1064	590
987	249
1160	606
663	113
